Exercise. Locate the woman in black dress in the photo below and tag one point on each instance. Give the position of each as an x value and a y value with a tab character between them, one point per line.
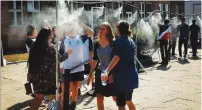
42	63
102	58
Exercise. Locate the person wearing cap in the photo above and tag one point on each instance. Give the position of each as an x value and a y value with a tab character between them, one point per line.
164	43
194	29
183	28
125	75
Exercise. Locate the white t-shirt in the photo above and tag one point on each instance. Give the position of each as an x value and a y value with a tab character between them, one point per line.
86	50
76	57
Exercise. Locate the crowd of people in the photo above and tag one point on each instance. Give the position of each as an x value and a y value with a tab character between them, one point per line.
111	65
168	41
111	69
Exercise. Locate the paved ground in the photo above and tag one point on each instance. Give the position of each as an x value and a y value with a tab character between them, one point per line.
177	87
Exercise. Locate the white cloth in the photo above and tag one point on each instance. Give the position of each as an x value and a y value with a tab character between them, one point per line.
86	54
76	57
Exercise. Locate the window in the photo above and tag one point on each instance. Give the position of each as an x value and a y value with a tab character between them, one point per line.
161	8
177	8
16	13
127	7
121	15
33	6
34	18
148	8
129	17
115	5
167	9
142	10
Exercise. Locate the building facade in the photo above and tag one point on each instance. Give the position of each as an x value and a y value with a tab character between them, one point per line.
16	15
192	7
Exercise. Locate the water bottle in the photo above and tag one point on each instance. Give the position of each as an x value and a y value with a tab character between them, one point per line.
104	83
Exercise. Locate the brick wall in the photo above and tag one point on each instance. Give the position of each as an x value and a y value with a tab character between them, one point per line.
4	24
13	37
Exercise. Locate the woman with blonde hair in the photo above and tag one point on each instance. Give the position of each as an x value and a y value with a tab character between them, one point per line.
101	59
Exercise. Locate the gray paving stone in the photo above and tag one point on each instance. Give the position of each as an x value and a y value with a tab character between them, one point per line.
178	88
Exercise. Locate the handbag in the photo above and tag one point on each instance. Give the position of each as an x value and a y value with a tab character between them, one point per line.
29	88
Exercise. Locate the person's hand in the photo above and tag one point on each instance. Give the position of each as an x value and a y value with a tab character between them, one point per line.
104	77
69	51
90	79
111	79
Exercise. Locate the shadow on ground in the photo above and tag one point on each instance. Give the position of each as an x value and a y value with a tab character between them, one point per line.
183	61
163	67
194	58
25	106
21	106
81	98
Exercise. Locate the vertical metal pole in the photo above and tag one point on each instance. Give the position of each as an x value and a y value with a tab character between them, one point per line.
66	82
119	7
66	105
72	6
57	62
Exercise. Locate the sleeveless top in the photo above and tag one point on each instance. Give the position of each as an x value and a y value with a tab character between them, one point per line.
76	57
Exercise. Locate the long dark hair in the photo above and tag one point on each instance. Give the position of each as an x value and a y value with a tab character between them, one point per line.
38	49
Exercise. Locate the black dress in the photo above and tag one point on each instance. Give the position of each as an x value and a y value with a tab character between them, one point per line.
42	75
103	62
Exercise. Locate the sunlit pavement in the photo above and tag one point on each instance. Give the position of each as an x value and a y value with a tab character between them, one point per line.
173	87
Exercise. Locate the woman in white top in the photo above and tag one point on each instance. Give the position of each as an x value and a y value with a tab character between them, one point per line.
76	42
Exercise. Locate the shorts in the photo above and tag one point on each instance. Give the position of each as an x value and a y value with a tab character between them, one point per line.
122	97
78	76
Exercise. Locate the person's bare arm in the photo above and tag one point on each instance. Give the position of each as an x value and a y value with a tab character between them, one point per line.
93	64
90	31
113	63
91	54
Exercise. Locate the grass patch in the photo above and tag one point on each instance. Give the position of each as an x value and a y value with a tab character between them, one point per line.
16	57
